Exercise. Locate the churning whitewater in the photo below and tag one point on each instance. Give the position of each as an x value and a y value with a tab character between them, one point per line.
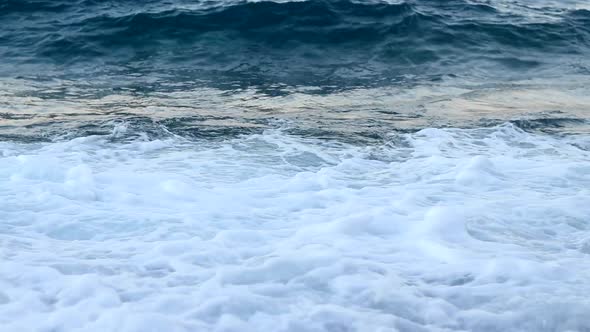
438	230
294	166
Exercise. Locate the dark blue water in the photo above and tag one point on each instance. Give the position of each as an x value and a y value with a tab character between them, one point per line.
75	67
317	42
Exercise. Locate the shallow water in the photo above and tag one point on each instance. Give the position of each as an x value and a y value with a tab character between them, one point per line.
294	166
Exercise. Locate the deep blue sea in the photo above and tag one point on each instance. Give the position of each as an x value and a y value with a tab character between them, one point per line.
315	165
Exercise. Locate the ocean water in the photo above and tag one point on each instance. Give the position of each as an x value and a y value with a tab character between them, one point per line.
314	165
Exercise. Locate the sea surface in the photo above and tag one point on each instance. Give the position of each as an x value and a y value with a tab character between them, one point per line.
316	165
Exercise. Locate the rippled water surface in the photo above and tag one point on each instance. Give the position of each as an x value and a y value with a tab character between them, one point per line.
294	165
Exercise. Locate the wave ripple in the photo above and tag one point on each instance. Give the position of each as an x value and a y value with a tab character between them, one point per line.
316	41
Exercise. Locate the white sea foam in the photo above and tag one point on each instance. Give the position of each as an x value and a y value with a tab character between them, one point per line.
440	230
